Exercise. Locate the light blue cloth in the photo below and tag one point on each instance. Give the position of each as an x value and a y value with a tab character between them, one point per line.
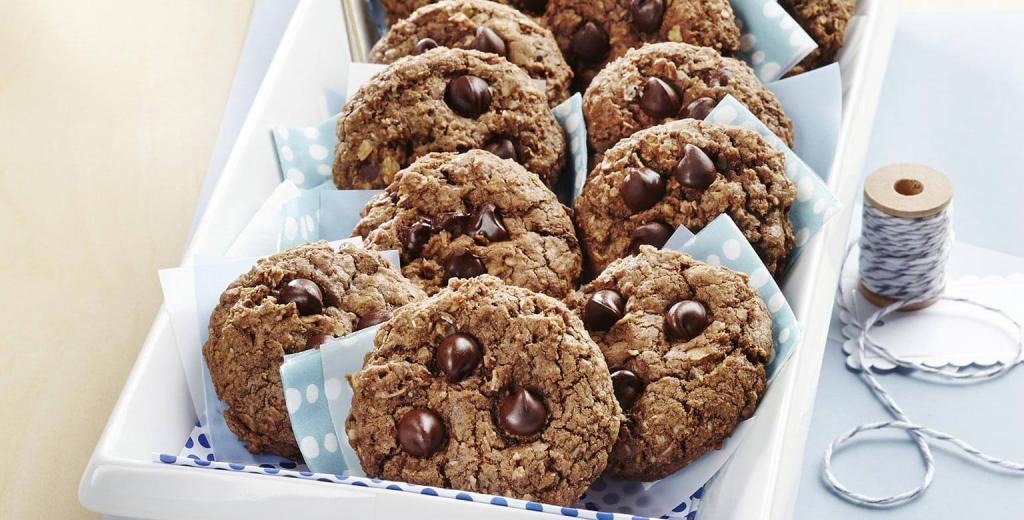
950	99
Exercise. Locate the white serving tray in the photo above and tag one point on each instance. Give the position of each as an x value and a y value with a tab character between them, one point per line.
154	412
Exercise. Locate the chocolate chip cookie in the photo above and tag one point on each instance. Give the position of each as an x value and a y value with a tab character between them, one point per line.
445	100
591	34
686	173
667	81
484	26
399	9
287	303
686	343
825	21
463	215
485	387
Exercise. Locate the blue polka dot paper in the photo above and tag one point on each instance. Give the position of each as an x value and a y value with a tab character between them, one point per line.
814	204
771	41
322	212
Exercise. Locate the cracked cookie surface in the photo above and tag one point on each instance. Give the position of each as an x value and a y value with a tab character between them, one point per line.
667	81
461	215
686	343
252	328
686	173
485	26
825	21
523	407
445	100
591	34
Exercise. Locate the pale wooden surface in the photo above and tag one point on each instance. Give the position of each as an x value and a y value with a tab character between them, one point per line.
108	115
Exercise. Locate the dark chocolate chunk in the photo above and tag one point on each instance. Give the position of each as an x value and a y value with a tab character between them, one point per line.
603	309
649	234
590	43
488	41
641	189
627	386
372	318
646	15
695	170
659	99
421	432
685	320
468	95
464	264
415	238
503	148
457	356
521	412
424	45
368	172
305	294
699	108
487	224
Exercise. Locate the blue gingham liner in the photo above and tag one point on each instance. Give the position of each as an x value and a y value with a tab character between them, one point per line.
322	372
771	41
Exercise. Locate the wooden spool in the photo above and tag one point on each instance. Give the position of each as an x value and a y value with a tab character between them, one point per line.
909	191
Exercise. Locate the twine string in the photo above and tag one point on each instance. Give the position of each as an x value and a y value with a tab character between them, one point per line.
904	259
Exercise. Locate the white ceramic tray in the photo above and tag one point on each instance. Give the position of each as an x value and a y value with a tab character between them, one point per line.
154	412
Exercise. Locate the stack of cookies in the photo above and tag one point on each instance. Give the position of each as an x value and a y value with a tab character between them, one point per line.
497	366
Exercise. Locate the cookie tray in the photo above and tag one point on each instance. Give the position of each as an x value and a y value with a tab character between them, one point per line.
154	412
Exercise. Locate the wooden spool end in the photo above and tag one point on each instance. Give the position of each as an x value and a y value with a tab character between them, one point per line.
909	191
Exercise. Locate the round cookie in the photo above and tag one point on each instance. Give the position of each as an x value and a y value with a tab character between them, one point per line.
461	215
825	21
398	9
687	343
445	100
484	26
287	303
666	81
686	173
591	34
489	388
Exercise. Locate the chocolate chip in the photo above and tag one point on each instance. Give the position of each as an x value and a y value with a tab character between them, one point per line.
534	7
685	320
415	237
627	386
420	432
304	294
487	224
641	189
695	170
368	172
603	309
647	15
503	148
424	45
649	234
372	318
454	222
457	356
464	264
659	99
590	43
488	41
522	412
468	95
315	340
699	108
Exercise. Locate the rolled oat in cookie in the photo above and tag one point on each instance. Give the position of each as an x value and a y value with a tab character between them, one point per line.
445	100
287	303
686	173
462	215
592	34
667	81
484	26
686	343
489	388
